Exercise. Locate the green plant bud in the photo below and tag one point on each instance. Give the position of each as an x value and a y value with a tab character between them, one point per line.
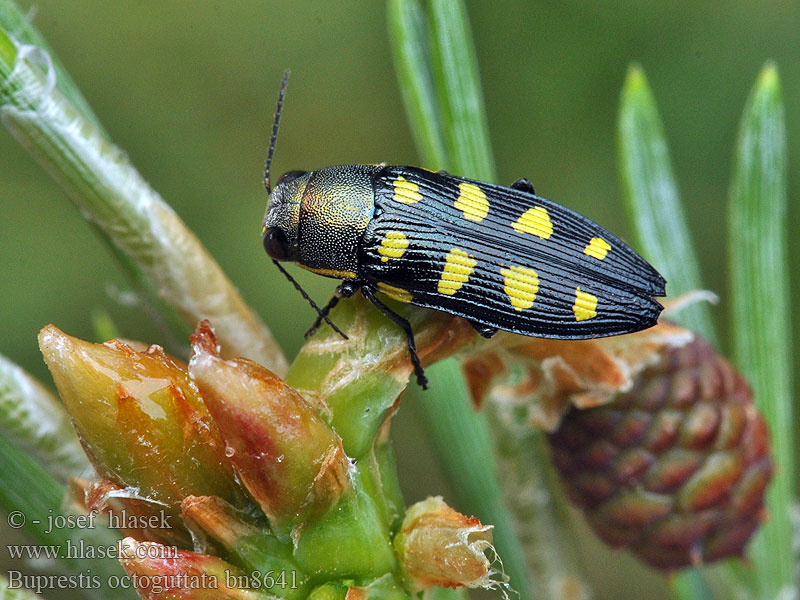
439	546
140	419
349	541
359	379
287	456
163	573
242	542
329	591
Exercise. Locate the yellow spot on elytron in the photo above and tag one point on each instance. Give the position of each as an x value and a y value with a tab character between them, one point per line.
395	292
405	192
458	267
597	248
393	245
585	306
472	202
535	221
521	285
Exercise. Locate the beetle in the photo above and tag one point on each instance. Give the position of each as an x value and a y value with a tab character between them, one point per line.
504	258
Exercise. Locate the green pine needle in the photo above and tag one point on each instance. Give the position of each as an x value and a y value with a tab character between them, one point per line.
651	197
760	311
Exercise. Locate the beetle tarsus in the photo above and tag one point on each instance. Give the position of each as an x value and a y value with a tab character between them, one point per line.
401	322
323	314
345	290
523	185
486	331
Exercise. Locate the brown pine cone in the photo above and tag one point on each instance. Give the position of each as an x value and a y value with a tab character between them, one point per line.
675	469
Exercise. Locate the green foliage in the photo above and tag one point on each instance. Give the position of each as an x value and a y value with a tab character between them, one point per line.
438	74
437	69
758	292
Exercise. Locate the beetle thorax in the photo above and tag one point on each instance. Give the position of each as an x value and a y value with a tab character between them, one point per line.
337	205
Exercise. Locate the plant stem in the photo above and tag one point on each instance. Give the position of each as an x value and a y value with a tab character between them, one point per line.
408	32
19	26
534	494
34	496
464	445
113	196
458	86
33	419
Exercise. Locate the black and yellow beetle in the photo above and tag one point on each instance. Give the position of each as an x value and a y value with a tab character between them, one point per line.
501	257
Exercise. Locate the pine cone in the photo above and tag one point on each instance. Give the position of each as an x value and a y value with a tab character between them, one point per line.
675	469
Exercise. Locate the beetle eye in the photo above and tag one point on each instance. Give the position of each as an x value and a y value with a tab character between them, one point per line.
276	243
290	176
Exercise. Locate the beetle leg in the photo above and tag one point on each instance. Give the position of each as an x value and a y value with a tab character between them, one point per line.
486	331
345	290
369	294
523	185
322	315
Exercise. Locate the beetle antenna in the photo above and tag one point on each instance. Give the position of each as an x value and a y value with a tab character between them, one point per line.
275	124
313	304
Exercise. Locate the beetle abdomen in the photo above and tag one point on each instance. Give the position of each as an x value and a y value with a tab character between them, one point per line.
503	258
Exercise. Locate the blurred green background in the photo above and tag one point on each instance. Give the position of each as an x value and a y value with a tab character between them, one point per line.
188	90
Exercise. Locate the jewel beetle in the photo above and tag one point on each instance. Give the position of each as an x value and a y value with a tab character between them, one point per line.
501	257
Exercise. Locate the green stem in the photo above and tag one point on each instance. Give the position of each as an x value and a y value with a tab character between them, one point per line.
464	444
458	86
408	32
33	419
20	27
33	497
113	196
533	492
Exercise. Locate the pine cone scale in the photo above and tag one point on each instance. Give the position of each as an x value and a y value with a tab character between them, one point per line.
674	468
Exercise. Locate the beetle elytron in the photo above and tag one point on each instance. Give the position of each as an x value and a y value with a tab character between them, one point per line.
501	257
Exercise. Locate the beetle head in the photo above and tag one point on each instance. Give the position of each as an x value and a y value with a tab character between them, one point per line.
280	232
